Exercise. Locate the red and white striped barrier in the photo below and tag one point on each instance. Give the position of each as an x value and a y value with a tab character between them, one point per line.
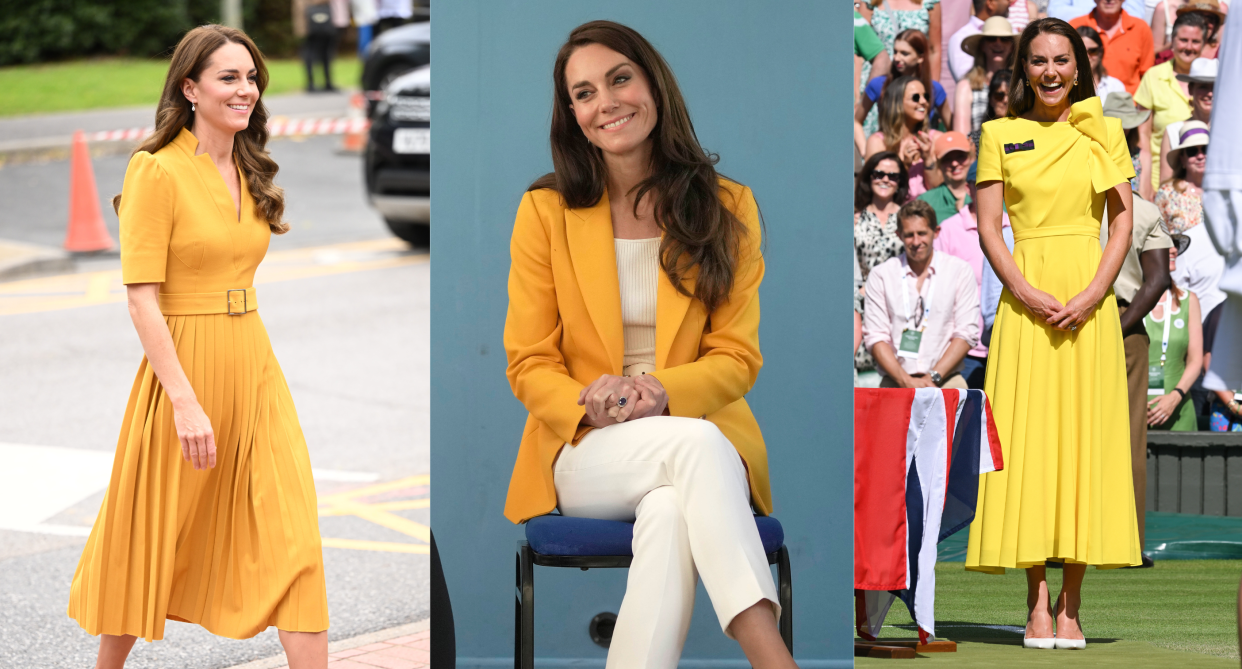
278	127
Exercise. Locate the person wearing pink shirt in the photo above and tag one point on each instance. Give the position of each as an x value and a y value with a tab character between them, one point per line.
922	309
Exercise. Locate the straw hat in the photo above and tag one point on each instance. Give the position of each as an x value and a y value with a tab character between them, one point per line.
1206	6
1202	71
997	26
1121	106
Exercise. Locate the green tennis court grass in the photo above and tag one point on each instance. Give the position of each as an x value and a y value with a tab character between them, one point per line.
124	82
1181	613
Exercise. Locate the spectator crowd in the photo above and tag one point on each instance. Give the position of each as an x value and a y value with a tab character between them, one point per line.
928	75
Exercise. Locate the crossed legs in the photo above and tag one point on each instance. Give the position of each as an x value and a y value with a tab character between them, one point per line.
685	487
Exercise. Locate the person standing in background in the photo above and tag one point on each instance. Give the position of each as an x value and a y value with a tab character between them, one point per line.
1066	10
1201	85
868	51
1104	84
1167	95
1176	356
891	17
1166	13
319	25
1021	13
992	50
364	17
392	13
960	62
1127	40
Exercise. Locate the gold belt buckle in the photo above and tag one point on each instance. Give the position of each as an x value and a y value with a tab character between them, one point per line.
228	298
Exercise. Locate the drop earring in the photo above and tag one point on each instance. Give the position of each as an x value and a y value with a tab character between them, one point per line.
192	107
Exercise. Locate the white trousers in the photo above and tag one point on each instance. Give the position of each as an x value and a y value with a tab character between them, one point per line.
685	488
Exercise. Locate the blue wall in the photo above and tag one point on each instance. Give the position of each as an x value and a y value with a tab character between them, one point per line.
767	85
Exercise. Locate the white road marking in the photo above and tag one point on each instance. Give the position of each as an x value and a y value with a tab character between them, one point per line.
39	482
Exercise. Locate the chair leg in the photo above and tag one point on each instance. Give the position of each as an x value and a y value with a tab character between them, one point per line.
524	610
785	575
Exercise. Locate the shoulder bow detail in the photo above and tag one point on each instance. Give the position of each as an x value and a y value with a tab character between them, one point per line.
1087	117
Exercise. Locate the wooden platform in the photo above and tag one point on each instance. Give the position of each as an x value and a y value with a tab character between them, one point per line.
901	648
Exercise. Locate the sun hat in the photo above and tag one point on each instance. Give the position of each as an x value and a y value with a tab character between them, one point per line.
1193	133
1206	6
1121	106
996	26
1181	243
950	141
1202	71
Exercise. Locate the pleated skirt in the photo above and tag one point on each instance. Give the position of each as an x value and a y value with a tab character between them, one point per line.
1062	413
234	548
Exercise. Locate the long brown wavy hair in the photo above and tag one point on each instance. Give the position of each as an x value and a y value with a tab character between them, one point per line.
249	146
1021	97
683	182
893	111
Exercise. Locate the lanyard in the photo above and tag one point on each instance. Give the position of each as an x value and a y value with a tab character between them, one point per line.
905	300
1168	318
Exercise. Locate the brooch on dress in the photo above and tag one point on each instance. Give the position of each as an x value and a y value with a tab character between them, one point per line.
1028	145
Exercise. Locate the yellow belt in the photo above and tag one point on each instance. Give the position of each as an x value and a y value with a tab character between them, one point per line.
1056	231
234	302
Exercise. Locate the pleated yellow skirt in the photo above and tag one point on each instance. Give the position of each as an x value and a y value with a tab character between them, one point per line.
1062	413
235	548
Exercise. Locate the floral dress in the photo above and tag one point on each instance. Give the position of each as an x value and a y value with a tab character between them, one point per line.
1182	210
874	242
887	23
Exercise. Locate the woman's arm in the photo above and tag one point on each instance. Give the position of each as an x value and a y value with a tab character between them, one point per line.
533	327
729	357
1160	409
865	103
875	144
1158	25
1166	170
961	97
946	113
1144	131
194	431
1120	231
990	196
933	41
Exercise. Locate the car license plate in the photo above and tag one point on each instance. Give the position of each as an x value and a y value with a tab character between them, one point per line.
411	140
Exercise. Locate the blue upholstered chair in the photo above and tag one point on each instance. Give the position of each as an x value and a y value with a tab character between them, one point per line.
585	543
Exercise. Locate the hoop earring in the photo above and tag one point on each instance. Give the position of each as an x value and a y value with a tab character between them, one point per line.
1075	85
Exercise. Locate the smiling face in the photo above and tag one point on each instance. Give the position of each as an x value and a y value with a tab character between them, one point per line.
1201	99
1108	7
1000	100
226	91
956	165
1187	45
1194	158
996	50
611	99
1173	259
1051	70
915	103
917	237
1094	53
884	179
905	59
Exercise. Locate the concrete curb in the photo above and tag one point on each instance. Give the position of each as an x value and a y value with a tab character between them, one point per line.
19	259
346	644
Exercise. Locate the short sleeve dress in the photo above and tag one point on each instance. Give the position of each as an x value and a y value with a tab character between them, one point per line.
234	548
1059	398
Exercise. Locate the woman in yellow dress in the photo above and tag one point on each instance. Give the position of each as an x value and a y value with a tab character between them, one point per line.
210	516
1056	369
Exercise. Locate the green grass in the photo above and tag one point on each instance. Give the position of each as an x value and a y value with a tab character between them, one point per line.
124	82
1180	613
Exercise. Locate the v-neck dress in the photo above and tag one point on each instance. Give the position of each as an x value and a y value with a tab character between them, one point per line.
234	548
1059	398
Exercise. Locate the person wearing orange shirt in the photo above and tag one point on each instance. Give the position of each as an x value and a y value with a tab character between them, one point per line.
1128	48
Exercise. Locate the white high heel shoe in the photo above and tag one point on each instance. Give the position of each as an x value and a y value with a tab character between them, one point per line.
1069	644
1042	644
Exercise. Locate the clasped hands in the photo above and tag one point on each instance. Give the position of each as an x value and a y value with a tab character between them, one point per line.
644	396
1070	316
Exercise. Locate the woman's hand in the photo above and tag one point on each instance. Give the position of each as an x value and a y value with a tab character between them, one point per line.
198	440
1161	409
652	400
1075	312
925	146
602	398
909	150
1041	304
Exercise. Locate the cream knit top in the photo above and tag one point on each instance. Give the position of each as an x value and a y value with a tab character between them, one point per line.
638	270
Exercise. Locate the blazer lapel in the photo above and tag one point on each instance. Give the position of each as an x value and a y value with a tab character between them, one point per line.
594	258
671	307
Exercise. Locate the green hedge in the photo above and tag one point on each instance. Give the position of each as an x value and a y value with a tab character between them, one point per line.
47	30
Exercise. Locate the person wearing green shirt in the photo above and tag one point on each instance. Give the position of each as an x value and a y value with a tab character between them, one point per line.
867	45
953	152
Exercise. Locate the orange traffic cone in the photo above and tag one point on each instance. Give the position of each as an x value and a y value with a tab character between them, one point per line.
355	140
87	232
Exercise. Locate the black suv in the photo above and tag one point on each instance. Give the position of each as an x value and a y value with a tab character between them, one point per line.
398	156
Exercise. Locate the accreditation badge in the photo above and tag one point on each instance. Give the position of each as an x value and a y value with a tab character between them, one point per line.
1155	380
910	342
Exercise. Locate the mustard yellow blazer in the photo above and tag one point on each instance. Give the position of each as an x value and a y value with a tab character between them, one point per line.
563	330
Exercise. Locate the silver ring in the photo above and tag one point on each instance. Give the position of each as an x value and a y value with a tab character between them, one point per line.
621	402
1073	328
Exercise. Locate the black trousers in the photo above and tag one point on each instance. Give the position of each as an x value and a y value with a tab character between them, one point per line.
319	49
443	638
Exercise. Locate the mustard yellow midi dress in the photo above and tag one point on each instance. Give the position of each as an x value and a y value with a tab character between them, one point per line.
1059	398
234	548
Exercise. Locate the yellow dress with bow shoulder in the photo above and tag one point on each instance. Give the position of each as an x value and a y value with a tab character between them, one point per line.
234	548
1058	398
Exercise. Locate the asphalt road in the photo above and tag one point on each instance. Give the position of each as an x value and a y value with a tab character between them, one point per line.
347	310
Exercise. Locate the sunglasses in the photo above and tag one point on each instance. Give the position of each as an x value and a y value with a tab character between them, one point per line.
1095	51
918	97
996	40
876	175
1000	96
1194	151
